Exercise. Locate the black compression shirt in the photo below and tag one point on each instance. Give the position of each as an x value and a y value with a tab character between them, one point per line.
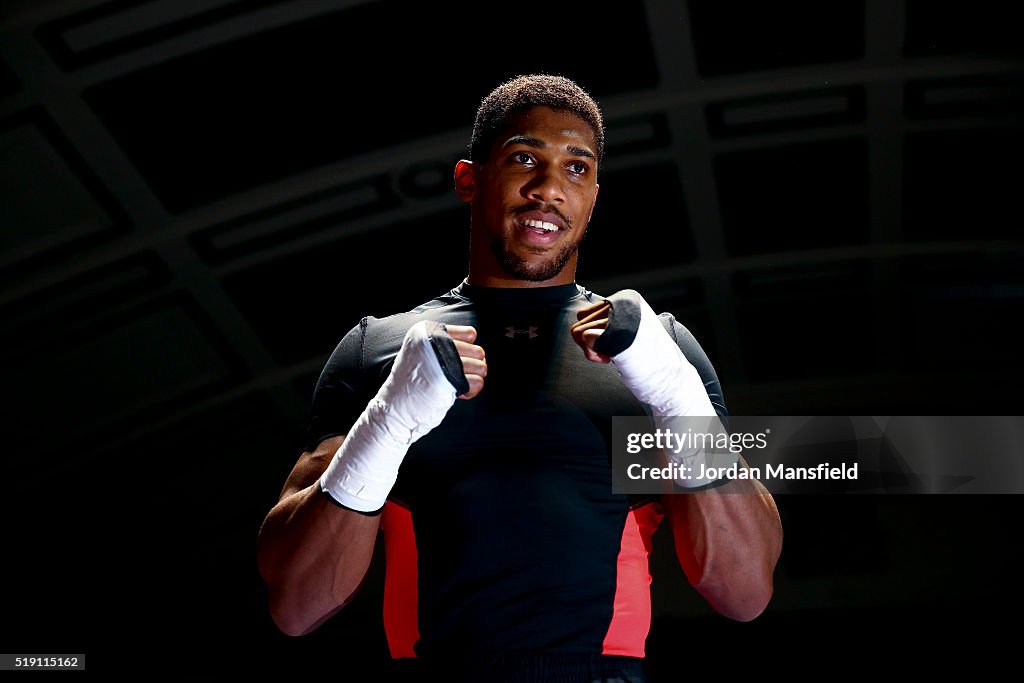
502	534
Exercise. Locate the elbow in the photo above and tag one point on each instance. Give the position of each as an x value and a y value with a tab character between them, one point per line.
281	605
288	625
294	618
747	590
740	598
748	605
290	620
297	613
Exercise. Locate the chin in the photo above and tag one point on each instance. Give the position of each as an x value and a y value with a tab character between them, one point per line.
534	272
531	266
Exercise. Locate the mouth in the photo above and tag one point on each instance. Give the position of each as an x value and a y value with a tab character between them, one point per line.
539	227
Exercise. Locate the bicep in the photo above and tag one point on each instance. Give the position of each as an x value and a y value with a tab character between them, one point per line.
310	465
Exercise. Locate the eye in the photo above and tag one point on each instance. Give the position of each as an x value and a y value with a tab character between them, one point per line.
522	158
577	167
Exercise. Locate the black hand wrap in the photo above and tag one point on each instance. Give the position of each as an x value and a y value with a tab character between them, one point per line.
448	357
623	323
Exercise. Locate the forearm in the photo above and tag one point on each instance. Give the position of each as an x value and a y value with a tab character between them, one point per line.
313	556
316	544
728	541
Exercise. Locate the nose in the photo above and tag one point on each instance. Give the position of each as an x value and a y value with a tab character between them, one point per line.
546	186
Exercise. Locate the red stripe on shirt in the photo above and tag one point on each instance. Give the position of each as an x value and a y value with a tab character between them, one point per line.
631	615
400	579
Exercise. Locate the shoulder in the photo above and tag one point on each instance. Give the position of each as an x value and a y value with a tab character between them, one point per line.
680	334
676	329
694	352
389	330
376	338
698	357
357	366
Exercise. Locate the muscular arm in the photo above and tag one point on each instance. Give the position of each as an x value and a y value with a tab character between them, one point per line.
728	540
312	553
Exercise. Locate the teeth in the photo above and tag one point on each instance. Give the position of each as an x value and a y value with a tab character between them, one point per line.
543	225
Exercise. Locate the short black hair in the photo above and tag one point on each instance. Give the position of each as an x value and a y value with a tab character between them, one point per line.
526	92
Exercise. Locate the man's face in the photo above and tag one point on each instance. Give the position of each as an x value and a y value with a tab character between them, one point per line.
532	198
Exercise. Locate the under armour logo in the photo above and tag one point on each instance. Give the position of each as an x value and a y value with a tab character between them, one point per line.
512	332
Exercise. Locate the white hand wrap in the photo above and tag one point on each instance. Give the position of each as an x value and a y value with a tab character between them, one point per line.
657	372
412	401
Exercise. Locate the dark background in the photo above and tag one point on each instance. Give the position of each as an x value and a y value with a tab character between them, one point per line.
195	193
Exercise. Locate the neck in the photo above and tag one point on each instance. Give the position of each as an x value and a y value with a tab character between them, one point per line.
484	271
517	297
563	278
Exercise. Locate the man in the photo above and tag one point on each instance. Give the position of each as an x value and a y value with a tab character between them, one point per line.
508	555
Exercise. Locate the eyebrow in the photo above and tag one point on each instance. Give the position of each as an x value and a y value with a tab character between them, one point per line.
581	152
540	144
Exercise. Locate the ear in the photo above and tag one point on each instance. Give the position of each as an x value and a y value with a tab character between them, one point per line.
465	180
